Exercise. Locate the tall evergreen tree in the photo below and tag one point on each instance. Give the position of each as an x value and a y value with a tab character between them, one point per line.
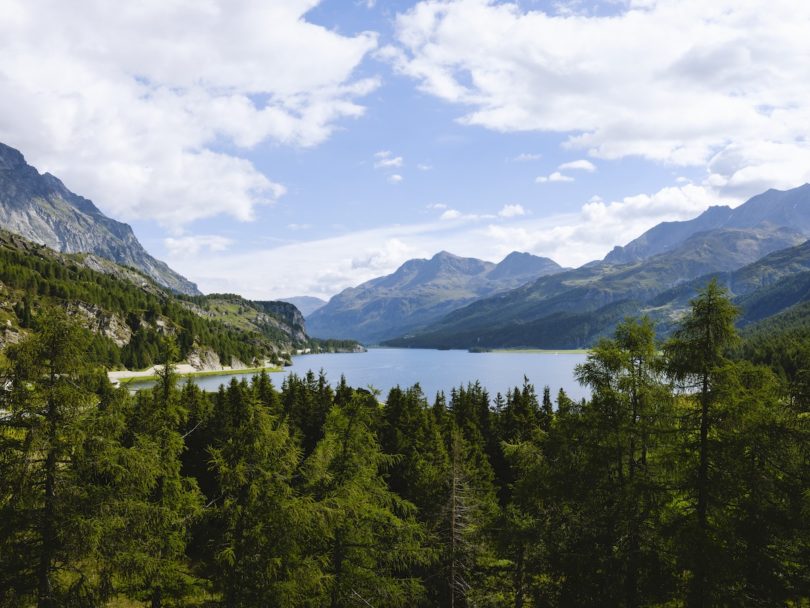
158	569
370	540
40	431
258	522
696	356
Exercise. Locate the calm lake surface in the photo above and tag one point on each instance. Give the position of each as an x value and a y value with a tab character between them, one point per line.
434	370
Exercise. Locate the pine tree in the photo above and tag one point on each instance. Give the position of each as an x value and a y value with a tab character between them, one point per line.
157	569
627	417
40	432
258	522
370	540
696	355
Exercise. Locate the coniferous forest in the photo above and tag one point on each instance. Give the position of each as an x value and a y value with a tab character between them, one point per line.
683	481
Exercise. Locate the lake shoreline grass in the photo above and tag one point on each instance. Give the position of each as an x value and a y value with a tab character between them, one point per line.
201	374
542	351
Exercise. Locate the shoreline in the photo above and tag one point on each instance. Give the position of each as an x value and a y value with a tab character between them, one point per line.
542	351
122	377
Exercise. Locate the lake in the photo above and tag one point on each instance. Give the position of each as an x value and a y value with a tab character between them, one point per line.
434	370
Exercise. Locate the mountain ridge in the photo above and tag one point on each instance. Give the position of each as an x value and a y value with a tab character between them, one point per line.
593	297
42	209
777	207
419	291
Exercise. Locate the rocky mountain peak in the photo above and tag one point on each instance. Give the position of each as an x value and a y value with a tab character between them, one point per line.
42	209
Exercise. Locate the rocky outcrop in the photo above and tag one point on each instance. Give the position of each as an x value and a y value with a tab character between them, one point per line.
98	321
40	208
204	359
285	317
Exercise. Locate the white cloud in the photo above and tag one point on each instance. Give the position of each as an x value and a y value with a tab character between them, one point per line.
554	177
384	159
578	165
512	211
455	214
681	82
424	167
396	178
135	104
298	227
526	157
193	244
324	267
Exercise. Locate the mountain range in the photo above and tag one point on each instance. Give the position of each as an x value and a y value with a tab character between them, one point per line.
655	274
758	250
40	208
419	292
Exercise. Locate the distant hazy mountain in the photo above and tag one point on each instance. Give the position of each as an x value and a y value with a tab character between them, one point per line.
776	207
572	308
420	291
43	210
306	304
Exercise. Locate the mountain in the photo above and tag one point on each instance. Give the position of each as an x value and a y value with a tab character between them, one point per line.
573	308
419	292
306	304
40	208
128	314
789	208
762	289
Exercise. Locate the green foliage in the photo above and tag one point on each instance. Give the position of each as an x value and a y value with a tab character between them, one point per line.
369	540
46	278
259	524
682	480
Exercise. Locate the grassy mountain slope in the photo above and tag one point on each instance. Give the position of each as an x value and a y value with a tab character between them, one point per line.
572	308
128	313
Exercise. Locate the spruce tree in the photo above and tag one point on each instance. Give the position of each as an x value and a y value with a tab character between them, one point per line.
696	356
45	403
158	570
258	523
370	540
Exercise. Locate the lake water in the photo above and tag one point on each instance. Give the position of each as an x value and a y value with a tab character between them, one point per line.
434	370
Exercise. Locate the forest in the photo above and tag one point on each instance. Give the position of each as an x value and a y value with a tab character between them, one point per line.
682	481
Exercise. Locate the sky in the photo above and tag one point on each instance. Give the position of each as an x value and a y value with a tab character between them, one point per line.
275	148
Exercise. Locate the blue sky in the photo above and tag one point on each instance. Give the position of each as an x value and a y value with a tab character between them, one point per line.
299	147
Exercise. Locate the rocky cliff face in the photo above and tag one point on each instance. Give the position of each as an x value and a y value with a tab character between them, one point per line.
286	317
40	208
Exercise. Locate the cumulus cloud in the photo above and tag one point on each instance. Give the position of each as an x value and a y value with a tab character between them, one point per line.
578	165
326	266
193	244
681	82
144	107
384	159
512	211
395	178
554	177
